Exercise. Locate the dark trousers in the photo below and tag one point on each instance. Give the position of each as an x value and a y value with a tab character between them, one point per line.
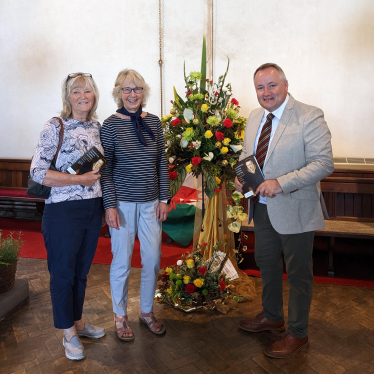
71	231
297	250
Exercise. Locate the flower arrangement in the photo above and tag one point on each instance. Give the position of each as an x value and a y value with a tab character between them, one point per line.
203	132
193	282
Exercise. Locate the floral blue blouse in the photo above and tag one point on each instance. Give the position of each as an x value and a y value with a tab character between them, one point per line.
79	137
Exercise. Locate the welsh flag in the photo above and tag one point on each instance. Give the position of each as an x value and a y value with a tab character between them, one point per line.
180	223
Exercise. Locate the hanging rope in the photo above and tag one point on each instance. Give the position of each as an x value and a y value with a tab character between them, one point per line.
160	62
211	39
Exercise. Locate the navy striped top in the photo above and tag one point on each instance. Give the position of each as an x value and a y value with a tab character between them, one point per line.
133	173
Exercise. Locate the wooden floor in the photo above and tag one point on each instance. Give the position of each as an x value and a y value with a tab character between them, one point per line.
341	334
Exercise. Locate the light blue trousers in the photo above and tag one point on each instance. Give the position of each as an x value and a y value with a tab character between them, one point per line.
135	218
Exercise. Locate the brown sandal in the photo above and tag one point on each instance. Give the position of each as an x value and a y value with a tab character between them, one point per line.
152	323
125	332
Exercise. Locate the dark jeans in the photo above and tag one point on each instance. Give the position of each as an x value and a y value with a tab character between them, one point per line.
71	231
297	250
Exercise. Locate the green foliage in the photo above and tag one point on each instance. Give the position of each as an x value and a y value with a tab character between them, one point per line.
9	248
203	67
175	184
210	184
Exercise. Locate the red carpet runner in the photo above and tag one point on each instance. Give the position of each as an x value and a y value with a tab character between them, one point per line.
34	244
171	253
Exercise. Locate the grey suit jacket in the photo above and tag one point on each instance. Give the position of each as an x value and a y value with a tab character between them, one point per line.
299	156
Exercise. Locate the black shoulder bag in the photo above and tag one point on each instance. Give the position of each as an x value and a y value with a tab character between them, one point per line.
39	190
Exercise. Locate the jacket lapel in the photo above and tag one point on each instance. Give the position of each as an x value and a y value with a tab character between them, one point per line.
256	120
287	113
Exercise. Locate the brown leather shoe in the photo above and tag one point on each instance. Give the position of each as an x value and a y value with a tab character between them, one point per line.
287	347
261	323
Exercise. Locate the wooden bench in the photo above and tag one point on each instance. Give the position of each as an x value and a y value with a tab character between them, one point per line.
336	229
14	202
349	198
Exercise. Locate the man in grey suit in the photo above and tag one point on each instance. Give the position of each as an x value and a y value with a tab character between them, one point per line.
292	144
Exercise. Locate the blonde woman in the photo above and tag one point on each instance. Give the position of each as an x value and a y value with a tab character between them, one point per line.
73	213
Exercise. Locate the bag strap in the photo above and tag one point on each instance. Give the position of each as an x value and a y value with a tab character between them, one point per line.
60	137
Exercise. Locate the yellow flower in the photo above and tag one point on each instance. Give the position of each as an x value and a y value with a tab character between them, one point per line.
168	271
240	136
195	121
218	181
224	150
189	168
166	118
190	263
198	282
204	108
218	144
186	279
208	134
226	141
169	290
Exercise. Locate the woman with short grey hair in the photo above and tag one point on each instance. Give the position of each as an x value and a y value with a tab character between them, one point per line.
135	185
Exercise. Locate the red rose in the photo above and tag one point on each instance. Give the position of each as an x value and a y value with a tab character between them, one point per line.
216	93
234	101
196	160
220	136
176	122
197	106
227	123
207	80
189	92
204	244
173	175
190	288
171	101
202	270
222	285
211	82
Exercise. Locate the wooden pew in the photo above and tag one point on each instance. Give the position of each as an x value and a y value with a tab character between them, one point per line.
14	202
349	198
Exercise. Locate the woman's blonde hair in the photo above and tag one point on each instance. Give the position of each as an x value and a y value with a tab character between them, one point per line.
135	78
82	81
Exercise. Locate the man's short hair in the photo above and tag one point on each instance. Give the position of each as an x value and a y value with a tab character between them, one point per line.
271	65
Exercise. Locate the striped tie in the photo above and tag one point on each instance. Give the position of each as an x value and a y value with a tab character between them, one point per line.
263	145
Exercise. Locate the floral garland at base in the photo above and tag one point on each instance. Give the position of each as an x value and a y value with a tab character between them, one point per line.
192	284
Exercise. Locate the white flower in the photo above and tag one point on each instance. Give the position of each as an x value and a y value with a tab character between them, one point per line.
188	115
218	115
171	160
228	93
184	143
179	136
236	148
220	100
179	262
224	89
209	157
197	144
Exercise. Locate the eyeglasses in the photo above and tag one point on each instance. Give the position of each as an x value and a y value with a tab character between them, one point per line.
127	90
74	75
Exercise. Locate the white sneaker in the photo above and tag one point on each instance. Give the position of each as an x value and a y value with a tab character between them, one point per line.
74	349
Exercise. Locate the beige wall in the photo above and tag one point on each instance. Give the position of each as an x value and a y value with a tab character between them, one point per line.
325	48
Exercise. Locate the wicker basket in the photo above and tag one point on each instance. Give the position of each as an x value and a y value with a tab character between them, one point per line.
7	277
